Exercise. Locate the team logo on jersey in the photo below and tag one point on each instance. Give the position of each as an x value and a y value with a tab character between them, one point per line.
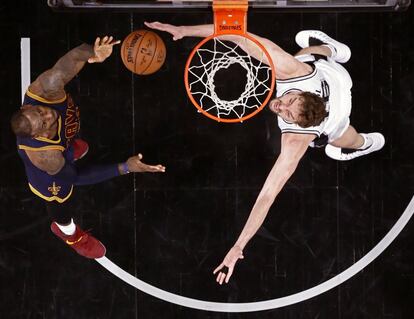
325	90
54	189
71	120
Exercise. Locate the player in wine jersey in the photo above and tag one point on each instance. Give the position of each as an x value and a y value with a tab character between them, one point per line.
313	104
47	128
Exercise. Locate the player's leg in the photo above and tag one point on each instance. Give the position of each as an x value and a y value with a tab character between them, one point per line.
350	139
287	66
353	144
63	227
319	49
317	42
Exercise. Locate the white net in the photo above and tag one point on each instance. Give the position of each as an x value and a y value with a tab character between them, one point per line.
211	68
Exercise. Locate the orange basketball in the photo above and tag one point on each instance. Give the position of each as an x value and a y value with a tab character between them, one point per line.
143	52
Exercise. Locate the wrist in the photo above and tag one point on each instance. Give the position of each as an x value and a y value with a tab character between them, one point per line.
123	168
183	31
86	51
238	246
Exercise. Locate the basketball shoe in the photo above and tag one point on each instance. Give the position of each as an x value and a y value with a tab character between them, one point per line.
83	243
340	52
344	154
80	148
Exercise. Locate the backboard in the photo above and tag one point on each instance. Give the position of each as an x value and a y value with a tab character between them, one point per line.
302	5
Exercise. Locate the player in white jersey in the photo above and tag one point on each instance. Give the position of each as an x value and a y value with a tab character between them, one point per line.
313	104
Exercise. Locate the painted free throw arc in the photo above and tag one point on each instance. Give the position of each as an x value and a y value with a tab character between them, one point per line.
272	303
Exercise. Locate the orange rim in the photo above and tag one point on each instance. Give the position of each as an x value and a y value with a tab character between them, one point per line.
230	17
226	120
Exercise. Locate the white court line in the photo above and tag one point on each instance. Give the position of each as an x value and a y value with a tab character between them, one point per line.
25	64
268	304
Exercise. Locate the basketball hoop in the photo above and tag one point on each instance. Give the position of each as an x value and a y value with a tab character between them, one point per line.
224	49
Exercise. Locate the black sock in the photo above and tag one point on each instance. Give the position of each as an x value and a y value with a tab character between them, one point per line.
315	42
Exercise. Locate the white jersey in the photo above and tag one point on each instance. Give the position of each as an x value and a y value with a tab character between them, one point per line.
330	81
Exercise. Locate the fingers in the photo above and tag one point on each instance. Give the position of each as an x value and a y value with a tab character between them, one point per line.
223	277
160	168
156	25
229	275
218	268
110	39
164	27
106	41
224	274
225	270
149	24
220	278
157	168
147	168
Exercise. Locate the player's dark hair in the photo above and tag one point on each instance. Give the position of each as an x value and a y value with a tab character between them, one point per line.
20	124
313	110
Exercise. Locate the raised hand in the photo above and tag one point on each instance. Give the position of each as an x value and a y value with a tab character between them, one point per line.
175	31
102	49
135	165
225	269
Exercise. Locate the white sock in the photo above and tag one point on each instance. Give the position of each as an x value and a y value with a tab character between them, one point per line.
332	48
67	229
367	142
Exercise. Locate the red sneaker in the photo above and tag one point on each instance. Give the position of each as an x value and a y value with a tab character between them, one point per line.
80	148
83	243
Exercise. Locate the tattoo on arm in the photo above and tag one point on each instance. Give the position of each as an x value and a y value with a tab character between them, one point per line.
50	84
50	161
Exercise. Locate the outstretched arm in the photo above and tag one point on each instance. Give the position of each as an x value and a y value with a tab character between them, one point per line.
50	84
181	31
294	147
204	30
52	162
286	65
98	173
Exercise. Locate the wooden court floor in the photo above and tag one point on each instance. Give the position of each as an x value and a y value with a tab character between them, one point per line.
172	230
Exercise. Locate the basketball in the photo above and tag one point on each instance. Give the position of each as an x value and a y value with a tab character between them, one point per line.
143	52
